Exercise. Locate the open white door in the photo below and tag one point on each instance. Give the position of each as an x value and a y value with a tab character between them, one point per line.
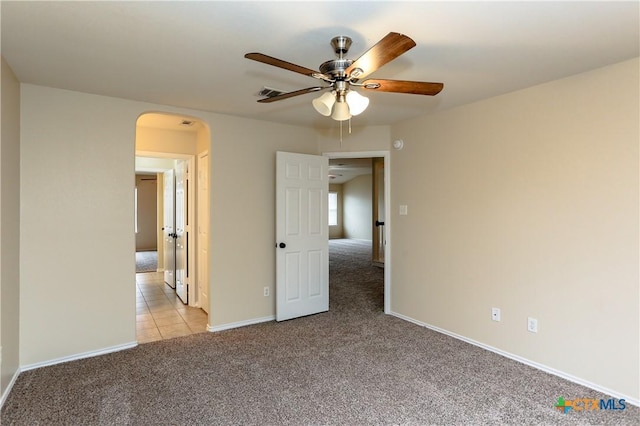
181	232
302	248
169	242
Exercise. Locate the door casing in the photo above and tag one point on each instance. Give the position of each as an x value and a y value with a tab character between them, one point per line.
202	231
378	245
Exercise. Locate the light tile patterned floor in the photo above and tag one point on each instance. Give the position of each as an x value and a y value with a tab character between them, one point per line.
160	314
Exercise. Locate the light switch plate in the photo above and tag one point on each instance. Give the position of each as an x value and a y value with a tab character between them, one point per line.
403	209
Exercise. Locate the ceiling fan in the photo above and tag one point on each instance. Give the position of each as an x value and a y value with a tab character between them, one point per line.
342	75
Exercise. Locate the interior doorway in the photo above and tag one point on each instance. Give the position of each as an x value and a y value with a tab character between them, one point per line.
175	220
145	224
168	301
378	210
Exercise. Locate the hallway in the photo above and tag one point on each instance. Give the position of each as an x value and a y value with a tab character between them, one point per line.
159	312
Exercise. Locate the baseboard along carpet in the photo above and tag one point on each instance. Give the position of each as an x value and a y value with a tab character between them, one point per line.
353	365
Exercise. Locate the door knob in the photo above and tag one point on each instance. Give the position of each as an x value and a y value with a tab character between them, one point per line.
282	245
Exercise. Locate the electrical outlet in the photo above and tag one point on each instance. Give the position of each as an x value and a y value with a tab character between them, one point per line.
532	325
266	291
495	314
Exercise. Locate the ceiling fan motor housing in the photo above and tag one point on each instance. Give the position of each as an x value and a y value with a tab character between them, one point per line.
336	68
341	45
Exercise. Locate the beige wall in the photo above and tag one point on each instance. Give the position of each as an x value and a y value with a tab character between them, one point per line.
337	230
153	164
372	138
147	235
242	164
80	176
203	139
151	139
9	227
528	202
358	207
77	237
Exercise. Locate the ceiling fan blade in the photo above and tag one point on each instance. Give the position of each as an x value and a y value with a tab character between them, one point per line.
291	94
386	50
403	86
265	59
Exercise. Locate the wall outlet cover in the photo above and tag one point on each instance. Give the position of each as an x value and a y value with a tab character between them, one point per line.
495	314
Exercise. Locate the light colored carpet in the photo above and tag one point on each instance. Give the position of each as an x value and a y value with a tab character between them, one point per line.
353	365
146	261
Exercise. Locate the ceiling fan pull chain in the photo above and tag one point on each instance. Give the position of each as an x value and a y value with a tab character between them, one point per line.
341	135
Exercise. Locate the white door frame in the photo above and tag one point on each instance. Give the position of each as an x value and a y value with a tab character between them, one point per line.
190	159
387	212
203	215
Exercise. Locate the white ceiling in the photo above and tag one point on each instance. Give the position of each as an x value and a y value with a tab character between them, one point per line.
191	54
169	122
342	170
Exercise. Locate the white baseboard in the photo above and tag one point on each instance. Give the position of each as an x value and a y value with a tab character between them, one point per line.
231	325
525	361
79	356
6	392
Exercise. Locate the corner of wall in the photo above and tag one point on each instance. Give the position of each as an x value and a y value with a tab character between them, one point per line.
9	229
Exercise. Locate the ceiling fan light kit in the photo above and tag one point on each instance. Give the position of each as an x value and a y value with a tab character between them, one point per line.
342	102
341	110
324	103
340	107
357	102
